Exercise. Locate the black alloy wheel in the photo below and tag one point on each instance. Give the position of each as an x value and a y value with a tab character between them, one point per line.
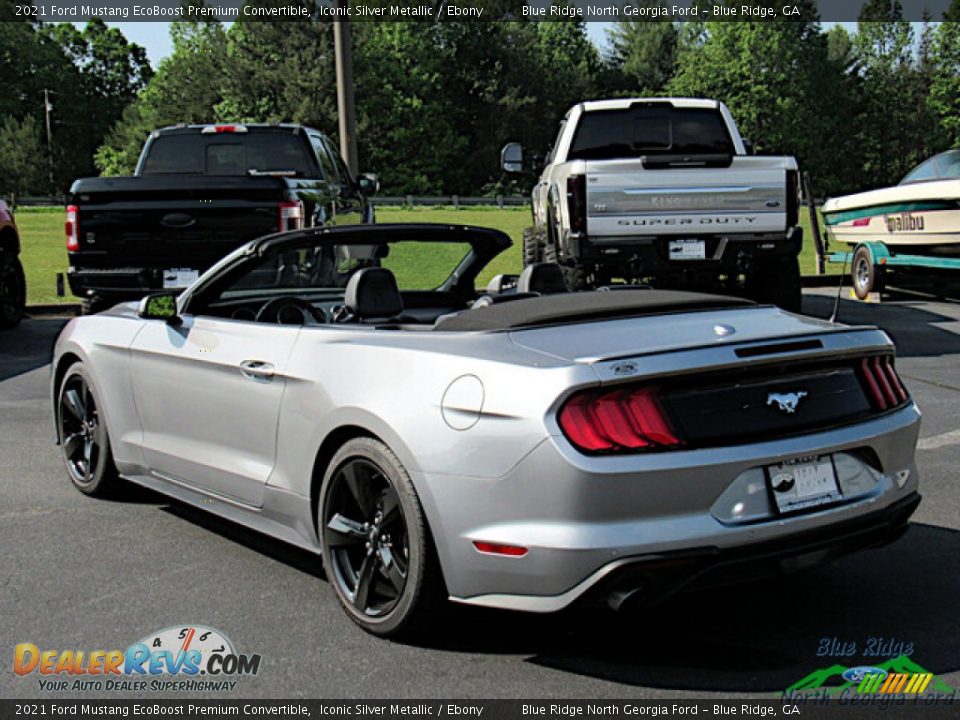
377	549
367	536
84	443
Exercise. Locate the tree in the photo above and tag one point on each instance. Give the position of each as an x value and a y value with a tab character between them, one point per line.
645	53
279	72
21	166
109	71
186	88
889	96
944	98
776	79
406	123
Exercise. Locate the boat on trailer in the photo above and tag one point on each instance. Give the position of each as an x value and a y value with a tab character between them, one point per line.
920	216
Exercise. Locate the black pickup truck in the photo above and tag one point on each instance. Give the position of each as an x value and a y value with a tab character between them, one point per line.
198	192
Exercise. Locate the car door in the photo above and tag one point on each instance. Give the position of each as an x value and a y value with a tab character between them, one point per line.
208	395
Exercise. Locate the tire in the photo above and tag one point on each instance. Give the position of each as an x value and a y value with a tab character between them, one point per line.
778	283
13	290
575	276
377	549
865	276
84	440
531	247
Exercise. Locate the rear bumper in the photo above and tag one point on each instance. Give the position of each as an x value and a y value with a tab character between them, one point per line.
723	252
124	283
651	579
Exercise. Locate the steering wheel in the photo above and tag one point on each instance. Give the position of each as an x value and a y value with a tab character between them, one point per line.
291	311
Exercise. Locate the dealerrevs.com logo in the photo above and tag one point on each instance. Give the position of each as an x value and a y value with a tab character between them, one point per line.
189	658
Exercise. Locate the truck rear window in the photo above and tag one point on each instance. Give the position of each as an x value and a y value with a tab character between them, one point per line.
228	154
652	130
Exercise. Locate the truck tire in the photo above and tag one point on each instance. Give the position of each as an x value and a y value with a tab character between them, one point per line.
778	283
574	274
13	290
866	276
532	252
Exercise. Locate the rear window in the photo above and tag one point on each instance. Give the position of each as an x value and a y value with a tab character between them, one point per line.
228	154
649	130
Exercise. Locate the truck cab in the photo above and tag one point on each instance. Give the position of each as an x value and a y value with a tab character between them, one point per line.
198	192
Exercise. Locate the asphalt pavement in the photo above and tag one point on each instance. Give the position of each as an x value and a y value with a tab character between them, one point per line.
85	574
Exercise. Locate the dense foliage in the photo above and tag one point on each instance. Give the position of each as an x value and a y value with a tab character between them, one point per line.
436	101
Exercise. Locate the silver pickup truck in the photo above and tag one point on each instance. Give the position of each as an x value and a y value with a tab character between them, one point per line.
664	191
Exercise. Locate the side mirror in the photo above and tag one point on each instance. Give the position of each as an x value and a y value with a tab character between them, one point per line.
369	184
160	306
511	158
748	146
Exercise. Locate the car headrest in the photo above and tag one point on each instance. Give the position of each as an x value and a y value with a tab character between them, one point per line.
373	293
545	278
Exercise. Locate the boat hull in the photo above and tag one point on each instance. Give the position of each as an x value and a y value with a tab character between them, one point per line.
919	219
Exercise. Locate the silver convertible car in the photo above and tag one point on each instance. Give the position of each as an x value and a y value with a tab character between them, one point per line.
349	391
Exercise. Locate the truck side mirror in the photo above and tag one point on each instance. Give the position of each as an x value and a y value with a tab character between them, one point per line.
369	184
160	306
511	158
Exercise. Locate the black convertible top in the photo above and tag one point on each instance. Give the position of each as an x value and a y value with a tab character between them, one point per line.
583	307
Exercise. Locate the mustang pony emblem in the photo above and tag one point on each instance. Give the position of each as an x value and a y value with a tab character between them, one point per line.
787	402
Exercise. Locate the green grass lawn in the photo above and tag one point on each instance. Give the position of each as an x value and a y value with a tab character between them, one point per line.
44	253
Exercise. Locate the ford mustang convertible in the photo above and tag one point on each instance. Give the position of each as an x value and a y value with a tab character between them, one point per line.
349	390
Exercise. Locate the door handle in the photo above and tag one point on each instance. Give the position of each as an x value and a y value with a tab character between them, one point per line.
256	369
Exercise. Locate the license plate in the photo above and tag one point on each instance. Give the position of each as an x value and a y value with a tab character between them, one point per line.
688	250
179	278
800	484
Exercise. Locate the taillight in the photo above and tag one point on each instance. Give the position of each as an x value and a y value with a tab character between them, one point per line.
618	420
291	216
882	382
577	203
72	229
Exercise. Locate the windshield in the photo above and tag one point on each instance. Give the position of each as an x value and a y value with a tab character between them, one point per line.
945	166
252	153
325	268
649	130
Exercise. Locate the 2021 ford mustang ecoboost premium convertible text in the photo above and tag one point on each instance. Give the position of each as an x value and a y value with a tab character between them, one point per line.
522	447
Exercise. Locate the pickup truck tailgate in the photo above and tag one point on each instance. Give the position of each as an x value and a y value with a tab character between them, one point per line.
156	221
626	198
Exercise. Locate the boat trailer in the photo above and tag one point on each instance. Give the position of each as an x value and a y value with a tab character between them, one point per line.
870	261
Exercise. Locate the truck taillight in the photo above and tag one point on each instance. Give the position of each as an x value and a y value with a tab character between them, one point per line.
291	216
577	203
618	420
793	198
72	229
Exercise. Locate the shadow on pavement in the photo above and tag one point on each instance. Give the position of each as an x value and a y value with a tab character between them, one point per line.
265	545
760	637
28	346
907	320
749	638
